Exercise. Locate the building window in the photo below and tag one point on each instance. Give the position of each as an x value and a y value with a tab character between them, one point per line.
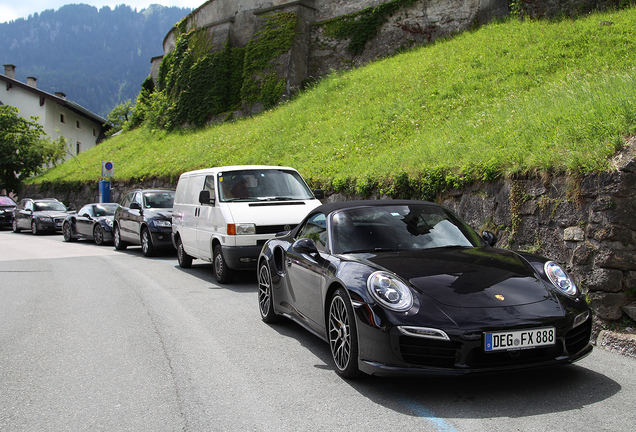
77	123
62	120
94	132
78	148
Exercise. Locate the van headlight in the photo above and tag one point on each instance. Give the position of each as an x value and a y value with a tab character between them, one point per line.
245	229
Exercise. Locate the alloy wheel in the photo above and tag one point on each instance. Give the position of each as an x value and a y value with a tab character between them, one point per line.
339	333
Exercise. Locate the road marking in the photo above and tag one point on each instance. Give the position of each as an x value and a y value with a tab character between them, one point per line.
420	410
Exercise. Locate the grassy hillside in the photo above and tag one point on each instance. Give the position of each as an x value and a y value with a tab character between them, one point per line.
508	98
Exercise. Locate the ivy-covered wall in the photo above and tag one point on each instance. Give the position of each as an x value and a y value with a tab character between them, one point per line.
197	81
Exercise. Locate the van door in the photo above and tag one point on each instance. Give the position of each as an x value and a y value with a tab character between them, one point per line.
187	211
208	221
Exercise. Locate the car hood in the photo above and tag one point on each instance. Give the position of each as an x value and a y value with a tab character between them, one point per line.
158	213
53	214
467	277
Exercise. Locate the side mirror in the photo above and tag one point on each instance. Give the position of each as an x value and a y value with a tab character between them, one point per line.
305	246
319	193
490	238
86	215
134	206
204	197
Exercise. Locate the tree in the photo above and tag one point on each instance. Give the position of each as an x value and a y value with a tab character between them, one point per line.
118	117
25	150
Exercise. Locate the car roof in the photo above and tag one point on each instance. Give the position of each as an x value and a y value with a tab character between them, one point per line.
150	190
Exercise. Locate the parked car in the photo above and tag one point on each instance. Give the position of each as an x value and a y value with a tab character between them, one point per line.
39	215
6	211
93	221
406	287
144	217
225	214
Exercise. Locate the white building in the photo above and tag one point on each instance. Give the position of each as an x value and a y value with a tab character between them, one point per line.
57	115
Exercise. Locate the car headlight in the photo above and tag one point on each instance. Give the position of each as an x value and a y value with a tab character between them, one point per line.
108	222
560	278
45	219
163	223
389	291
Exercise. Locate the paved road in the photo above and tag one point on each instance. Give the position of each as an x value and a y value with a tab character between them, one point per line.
97	340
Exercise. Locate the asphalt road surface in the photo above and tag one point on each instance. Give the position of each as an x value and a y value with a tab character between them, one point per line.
92	339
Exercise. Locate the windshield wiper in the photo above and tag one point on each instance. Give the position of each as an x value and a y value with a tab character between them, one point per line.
279	198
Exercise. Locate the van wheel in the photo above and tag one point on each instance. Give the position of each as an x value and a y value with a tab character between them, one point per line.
185	260
222	272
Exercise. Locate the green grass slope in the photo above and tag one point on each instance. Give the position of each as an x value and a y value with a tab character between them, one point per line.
509	98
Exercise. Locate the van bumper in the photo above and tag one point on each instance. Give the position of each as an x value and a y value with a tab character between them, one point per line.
241	257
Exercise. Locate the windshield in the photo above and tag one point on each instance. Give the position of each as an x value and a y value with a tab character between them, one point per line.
411	227
159	199
262	185
104	209
49	206
6	201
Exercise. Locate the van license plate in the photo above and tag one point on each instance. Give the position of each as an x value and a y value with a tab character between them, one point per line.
520	339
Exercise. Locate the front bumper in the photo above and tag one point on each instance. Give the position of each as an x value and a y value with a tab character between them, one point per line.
161	237
48	225
386	351
241	257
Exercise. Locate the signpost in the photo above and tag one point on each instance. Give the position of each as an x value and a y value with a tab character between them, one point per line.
108	170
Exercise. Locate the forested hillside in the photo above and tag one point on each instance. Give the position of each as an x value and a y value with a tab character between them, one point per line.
98	58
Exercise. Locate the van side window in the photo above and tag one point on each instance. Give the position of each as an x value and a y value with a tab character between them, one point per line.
209	185
180	195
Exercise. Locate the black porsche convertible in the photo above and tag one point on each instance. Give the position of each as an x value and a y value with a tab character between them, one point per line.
400	287
93	221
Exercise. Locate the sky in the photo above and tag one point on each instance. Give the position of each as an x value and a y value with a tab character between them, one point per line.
14	9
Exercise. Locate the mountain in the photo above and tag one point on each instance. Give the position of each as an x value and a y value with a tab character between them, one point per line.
98	58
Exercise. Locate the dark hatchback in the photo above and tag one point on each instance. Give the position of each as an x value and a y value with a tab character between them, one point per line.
6	211
406	287
144	217
39	215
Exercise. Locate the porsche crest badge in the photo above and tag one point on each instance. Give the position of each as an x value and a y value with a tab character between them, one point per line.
500	297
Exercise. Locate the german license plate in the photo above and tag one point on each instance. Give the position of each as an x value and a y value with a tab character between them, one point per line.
520	339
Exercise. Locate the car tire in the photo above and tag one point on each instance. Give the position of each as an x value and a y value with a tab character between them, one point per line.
265	294
222	272
34	228
119	243
343	335
14	226
146	243
98	234
185	260
67	233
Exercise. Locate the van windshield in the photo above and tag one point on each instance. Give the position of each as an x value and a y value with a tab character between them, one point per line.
262	185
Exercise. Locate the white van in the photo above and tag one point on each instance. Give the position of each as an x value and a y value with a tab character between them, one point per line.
224	215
